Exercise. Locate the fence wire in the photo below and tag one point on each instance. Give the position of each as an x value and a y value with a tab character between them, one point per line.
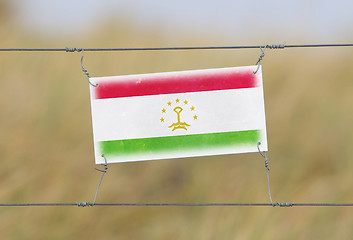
89	204
268	46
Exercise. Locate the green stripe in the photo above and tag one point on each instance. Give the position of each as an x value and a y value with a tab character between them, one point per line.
179	143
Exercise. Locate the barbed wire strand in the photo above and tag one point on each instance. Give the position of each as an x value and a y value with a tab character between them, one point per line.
87	204
271	46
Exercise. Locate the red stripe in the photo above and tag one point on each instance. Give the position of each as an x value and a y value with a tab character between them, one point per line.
156	84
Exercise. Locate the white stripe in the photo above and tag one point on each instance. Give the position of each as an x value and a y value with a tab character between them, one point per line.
216	111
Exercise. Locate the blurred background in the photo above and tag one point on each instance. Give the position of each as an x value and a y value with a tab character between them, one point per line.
46	138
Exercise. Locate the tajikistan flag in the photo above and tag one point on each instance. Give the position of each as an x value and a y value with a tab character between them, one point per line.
178	114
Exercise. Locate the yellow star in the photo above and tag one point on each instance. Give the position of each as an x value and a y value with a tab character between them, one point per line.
192	108
169	103
195	117
163	110
186	102
177	100
162	119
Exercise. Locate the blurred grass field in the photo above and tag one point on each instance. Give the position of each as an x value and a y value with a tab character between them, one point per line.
47	146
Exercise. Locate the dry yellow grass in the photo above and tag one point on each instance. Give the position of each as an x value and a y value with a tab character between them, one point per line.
47	149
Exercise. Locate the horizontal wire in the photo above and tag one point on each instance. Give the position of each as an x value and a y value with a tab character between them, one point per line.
86	204
184	204
273	46
35	204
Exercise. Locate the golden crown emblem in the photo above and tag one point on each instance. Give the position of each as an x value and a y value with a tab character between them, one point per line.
177	106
